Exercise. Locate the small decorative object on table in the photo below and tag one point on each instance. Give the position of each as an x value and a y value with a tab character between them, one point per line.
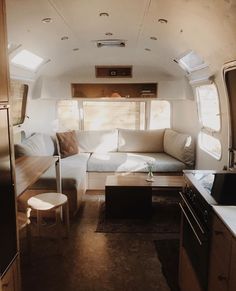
150	166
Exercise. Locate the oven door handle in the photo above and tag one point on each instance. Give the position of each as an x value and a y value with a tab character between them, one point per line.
194	231
196	220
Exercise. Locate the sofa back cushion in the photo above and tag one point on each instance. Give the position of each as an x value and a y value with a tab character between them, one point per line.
97	141
67	142
37	144
149	141
179	146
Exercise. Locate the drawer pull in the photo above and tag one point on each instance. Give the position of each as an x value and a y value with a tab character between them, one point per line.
222	278
5	284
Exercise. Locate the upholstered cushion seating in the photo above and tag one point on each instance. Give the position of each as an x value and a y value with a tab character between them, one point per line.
109	152
133	162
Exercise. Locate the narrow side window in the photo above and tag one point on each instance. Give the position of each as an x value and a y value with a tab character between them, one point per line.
19	92
159	114
209	118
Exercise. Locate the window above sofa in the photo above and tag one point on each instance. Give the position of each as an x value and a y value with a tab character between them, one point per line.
102	115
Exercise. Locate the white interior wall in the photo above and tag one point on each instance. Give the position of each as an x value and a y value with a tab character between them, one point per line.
43	117
185	119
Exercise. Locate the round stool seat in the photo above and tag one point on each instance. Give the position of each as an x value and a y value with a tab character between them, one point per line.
47	201
51	202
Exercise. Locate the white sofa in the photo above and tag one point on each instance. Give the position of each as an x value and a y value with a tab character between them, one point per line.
106	152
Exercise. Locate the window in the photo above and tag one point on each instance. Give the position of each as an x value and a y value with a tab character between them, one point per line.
101	115
191	62
19	92
68	115
210	144
27	60
159	114
107	115
208	106
209	117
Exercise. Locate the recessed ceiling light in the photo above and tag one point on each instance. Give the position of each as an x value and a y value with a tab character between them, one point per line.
64	38
153	38
104	14
147	49
75	49
163	20
109	33
47	20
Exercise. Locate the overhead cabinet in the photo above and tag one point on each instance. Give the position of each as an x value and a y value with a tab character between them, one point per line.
128	90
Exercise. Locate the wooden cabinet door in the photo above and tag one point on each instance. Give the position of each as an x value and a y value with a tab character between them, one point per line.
3	55
220	257
187	277
11	279
232	280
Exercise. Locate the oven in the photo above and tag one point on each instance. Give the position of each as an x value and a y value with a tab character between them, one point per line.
196	221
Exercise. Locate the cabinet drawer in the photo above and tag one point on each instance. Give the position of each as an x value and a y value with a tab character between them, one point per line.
221	241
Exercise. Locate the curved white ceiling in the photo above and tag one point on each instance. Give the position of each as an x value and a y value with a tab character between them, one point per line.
207	27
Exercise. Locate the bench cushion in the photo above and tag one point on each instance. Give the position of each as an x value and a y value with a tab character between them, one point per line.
97	141
179	146
37	144
141	141
135	162
73	172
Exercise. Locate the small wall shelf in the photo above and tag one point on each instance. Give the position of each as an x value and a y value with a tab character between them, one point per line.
129	90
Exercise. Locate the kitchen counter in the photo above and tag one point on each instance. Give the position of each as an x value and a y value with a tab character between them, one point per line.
228	216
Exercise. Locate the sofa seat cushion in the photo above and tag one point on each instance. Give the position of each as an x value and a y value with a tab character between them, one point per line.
133	162
73	173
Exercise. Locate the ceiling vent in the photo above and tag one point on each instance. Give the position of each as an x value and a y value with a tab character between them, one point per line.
110	43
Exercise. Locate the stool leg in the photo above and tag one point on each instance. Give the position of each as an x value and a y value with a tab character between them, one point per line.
67	219
39	222
58	224
28	238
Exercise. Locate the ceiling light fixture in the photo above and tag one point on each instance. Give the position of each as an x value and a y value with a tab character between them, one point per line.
75	49
153	38
147	49
64	38
163	20
47	20
110	43
104	14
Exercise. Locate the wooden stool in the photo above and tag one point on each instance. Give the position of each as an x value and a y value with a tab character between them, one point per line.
51	202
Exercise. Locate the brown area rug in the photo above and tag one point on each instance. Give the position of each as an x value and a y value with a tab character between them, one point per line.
168	254
165	219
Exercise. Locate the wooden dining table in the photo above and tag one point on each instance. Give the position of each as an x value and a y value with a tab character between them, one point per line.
28	170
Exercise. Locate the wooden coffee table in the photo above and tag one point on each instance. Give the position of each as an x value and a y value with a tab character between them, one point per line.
131	196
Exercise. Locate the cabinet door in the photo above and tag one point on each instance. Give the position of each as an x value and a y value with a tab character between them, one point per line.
3	55
232	280
11	280
187	277
8	241
220	257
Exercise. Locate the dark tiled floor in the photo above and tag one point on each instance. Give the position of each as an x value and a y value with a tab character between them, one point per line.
94	261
